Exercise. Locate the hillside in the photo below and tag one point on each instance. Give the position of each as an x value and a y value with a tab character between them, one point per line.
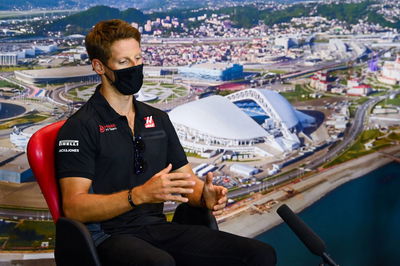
35	4
243	17
83	21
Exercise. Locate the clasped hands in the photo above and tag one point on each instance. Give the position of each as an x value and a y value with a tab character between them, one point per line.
167	186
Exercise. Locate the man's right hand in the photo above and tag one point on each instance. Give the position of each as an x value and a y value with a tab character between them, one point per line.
164	186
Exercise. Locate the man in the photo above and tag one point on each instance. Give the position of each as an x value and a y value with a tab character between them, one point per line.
119	159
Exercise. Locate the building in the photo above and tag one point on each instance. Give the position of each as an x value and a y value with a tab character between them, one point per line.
390	73
14	167
360	90
20	138
45	49
258	122
244	170
213	71
58	75
286	42
356	88
8	59
338	45
320	81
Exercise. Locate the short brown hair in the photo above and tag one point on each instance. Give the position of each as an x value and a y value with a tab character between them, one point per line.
99	40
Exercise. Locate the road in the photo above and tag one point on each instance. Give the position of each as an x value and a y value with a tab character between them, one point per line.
355	129
25	214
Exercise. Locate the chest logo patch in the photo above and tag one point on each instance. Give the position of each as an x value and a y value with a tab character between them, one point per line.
149	122
106	128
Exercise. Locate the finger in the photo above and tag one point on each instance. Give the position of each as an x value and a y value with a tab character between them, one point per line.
219	207
176	198
181	183
174	176
216	213
222	200
221	190
209	178
178	190
166	170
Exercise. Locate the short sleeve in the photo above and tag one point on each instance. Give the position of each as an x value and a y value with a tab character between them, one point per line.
175	153
75	150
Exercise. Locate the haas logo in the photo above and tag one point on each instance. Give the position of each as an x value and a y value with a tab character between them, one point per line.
149	122
106	128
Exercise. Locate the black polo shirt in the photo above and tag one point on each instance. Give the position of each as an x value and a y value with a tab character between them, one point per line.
97	143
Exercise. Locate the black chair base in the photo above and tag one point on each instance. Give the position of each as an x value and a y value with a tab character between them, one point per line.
75	246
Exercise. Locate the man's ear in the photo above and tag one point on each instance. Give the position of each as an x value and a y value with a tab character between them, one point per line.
98	66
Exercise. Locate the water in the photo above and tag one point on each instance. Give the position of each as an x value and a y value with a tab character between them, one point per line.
10	110
359	222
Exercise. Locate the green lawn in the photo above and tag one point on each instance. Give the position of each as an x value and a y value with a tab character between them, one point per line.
29	118
192	154
361	100
358	149
149	83
180	93
14	68
84	88
277	71
300	93
166	85
31	234
6	84
171	97
395	101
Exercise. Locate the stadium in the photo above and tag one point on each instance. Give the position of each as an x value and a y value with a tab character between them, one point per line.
58	75
257	122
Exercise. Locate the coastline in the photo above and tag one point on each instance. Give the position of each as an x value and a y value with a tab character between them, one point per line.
258	215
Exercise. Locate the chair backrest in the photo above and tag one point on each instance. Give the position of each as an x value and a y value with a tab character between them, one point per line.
41	157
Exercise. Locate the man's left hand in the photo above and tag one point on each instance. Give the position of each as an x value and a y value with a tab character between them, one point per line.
215	197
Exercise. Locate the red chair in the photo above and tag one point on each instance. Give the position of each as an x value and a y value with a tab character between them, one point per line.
74	244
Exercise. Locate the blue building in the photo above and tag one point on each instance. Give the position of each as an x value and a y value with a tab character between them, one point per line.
213	71
14	167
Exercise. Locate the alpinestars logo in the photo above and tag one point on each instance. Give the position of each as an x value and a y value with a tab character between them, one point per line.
107	128
149	122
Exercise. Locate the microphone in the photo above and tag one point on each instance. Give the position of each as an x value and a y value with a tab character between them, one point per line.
310	239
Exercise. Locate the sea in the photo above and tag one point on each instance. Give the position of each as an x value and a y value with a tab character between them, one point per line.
358	221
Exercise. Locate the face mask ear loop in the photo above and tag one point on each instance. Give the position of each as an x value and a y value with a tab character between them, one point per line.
110	80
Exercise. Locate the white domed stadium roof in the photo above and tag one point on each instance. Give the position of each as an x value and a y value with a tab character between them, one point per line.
282	107
217	116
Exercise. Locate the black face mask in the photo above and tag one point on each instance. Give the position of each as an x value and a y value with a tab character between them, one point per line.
129	80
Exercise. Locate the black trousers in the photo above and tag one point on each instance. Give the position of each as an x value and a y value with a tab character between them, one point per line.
175	244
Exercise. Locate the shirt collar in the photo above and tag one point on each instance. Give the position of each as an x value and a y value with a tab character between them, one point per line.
103	108
106	112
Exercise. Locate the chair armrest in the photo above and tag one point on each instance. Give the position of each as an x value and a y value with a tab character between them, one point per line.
186	214
74	244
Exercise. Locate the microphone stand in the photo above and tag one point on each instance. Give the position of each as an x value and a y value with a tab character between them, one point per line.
327	260
312	241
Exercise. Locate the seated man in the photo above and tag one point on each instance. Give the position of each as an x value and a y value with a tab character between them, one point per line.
119	159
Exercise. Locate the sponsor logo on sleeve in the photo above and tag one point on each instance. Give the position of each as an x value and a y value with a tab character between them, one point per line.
69	144
149	122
